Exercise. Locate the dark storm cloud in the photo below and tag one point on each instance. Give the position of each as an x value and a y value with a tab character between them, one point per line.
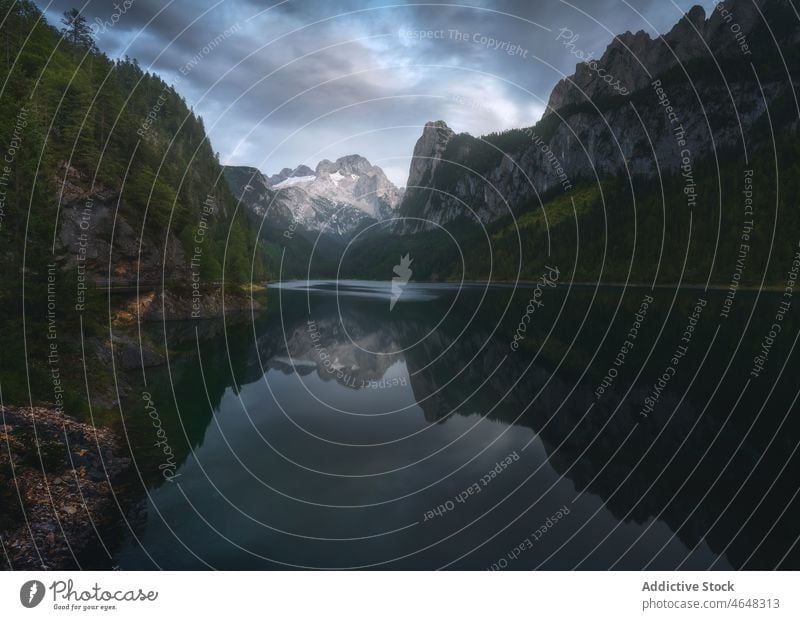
283	83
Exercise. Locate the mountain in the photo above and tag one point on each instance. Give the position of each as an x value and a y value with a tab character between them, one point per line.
658	185
289	207
253	190
337	198
631	59
300	171
690	94
350	180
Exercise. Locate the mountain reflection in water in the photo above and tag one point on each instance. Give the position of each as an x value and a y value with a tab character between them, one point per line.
333	432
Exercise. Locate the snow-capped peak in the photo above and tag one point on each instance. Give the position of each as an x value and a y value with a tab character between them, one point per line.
295	181
350	182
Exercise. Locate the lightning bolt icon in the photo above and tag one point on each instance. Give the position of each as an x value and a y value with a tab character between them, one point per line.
33	591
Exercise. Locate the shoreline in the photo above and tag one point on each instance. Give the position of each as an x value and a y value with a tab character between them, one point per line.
770	288
52	487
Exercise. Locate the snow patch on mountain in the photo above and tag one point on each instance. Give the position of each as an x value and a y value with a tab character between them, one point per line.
337	197
294	181
350	182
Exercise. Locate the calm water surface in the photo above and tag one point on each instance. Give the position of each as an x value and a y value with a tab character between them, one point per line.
335	432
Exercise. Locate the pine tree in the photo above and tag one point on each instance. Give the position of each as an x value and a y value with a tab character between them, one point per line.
77	31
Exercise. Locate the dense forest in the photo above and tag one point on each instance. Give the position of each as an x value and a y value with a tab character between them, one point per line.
81	127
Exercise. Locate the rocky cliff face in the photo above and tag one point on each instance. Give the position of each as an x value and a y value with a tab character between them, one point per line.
96	238
337	198
100	242
652	130
252	188
428	153
417	209
631	59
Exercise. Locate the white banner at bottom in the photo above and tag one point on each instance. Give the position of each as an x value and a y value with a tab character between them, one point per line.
400	595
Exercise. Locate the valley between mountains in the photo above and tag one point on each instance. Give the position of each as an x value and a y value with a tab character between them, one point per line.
674	167
129	247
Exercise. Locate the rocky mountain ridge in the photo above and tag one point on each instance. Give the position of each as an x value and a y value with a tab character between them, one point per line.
286	173
336	197
673	117
349	180
634	59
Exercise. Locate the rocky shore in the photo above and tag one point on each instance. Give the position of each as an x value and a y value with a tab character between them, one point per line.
56	478
167	305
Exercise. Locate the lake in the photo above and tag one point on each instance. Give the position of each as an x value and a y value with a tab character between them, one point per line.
469	427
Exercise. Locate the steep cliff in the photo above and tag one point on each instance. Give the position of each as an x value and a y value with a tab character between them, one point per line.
428	153
689	95
425	161
253	190
632	60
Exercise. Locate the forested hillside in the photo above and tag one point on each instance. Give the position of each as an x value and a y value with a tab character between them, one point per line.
108	178
637	230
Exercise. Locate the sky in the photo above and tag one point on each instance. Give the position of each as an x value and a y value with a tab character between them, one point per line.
284	83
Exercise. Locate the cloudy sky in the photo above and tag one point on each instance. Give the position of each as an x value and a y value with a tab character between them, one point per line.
293	82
